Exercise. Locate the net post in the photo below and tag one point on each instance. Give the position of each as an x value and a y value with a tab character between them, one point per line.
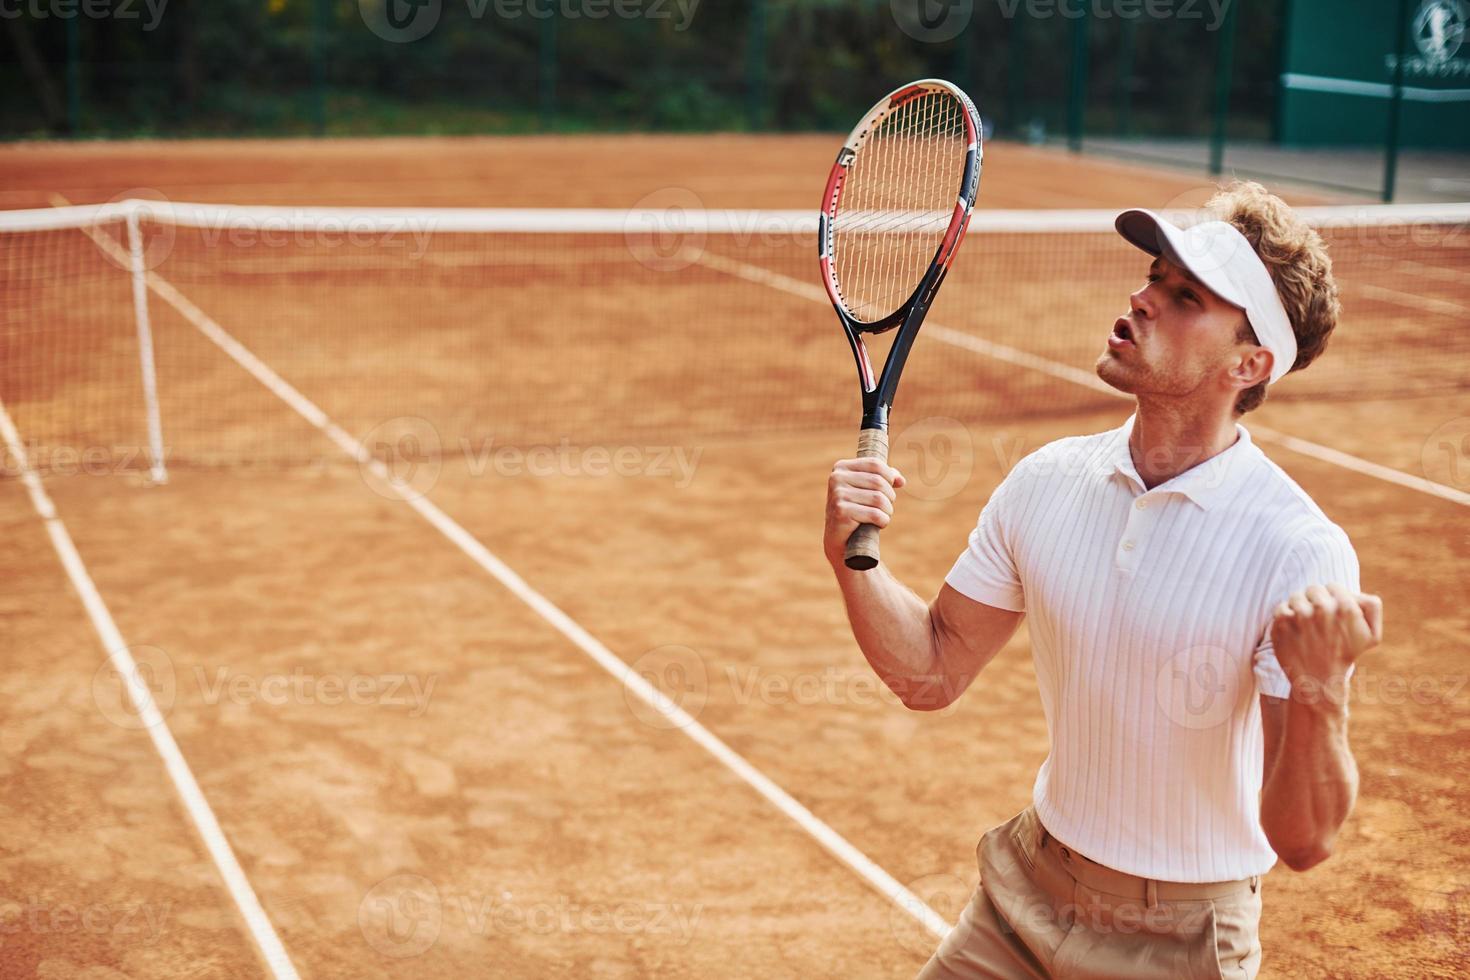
319	22
755	67
157	472
1124	121
1015	76
546	74
1282	61
1395	104
1224	58
1077	96
963	62
73	76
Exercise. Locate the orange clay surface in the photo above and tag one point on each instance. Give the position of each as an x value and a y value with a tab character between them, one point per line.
421	778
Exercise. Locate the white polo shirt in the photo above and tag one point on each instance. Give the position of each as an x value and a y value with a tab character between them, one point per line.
1149	613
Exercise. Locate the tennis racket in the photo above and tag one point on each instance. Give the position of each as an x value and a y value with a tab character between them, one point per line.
897	203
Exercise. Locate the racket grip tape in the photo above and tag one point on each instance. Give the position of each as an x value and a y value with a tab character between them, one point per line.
862	545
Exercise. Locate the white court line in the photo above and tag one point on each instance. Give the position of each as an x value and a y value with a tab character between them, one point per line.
819	830
1000	352
1427	304
266	940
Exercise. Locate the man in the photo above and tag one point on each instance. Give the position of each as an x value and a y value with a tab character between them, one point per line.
1194	623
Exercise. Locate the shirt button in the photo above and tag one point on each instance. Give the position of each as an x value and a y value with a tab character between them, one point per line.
1127	545
1141	503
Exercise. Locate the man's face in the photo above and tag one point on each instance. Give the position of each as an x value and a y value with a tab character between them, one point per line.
1176	338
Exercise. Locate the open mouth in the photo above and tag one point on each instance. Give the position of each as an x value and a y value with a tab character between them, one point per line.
1122	335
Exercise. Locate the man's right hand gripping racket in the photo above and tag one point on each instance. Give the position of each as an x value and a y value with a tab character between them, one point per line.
897	203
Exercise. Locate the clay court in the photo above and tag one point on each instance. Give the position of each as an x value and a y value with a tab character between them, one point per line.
406	726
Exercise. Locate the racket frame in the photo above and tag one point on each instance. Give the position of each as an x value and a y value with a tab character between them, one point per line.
878	390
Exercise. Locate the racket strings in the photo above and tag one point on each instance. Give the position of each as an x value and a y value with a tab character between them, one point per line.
897	204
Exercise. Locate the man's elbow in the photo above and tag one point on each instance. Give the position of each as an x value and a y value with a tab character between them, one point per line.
1303	851
1307	857
926	696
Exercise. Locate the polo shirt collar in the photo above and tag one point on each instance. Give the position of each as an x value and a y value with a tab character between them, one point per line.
1204	484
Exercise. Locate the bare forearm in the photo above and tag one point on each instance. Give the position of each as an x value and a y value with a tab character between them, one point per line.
1311	791
893	628
927	653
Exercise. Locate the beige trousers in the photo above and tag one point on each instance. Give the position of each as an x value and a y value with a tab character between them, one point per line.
1042	910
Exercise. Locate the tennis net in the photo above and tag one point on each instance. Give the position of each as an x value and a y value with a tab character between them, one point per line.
124	325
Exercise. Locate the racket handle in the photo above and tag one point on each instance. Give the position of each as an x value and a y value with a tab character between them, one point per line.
862	546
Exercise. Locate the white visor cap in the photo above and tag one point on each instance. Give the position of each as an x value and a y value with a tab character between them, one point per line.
1220	257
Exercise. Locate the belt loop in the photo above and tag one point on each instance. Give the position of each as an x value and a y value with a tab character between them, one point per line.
1153	893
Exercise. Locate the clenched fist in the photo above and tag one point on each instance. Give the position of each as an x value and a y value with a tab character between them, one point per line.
1319	633
859	491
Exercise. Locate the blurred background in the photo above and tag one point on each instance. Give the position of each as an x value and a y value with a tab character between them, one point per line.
1368	98
458	425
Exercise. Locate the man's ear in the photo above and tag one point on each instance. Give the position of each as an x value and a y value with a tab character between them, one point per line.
1252	368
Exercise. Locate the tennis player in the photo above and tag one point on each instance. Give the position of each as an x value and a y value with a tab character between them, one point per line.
1195	619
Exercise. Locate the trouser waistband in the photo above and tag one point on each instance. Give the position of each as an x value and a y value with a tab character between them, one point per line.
1104	879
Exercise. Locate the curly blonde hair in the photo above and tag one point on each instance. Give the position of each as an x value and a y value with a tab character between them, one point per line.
1297	259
